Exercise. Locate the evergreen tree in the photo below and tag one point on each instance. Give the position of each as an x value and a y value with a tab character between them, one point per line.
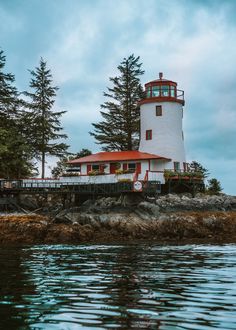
214	186
197	167
8	94
62	163
119	129
60	166
15	153
44	123
83	153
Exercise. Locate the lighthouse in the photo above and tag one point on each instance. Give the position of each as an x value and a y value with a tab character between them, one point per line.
161	155
161	117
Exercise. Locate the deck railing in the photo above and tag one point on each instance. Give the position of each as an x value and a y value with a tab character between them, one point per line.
180	94
35	187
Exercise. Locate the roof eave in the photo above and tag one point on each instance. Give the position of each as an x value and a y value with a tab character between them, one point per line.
118	160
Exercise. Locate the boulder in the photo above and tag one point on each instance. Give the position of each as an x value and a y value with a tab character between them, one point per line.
130	200
200	202
88	203
29	202
151	209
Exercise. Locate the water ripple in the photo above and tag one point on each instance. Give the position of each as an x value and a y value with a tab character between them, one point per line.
118	287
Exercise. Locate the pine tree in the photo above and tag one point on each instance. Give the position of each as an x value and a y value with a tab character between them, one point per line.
62	163
8	94
119	129
197	167
15	155
214	187
15	152
44	123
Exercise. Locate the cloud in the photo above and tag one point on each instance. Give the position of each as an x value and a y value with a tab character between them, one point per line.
192	42
9	24
196	52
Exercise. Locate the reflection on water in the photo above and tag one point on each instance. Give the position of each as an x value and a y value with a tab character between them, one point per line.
118	287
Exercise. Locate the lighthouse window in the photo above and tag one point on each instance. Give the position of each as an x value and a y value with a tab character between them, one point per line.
148	134
149	92
155	91
158	110
164	90
172	91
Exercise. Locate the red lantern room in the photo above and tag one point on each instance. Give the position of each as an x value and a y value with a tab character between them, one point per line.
162	90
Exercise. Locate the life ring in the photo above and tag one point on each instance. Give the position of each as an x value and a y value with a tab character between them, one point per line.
138	186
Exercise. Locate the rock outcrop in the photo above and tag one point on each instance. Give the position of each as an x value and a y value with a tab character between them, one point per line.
178	218
201	202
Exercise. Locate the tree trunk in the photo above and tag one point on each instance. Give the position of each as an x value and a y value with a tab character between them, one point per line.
43	165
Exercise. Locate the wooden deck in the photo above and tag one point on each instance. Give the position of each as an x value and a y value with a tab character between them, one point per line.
8	187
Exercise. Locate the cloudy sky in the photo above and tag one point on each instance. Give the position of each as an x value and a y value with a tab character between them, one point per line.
192	41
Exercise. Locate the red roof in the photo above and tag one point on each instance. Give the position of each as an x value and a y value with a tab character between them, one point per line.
115	156
161	81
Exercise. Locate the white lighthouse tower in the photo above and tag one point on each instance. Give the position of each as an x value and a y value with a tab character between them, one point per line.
161	116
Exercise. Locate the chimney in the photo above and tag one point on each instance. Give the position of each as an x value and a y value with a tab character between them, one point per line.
160	75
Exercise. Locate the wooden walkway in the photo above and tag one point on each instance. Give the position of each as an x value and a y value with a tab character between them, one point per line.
14	187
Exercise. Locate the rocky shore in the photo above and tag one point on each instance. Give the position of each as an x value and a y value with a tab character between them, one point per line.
171	218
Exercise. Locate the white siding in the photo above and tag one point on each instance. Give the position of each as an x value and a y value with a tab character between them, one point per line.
144	168
83	169
167	137
107	177
160	165
155	165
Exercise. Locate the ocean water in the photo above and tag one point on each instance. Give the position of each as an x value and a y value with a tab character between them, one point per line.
126	286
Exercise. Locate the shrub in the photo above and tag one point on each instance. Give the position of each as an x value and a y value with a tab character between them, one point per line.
118	166
70	174
124	180
214	187
119	171
95	172
196	167
169	173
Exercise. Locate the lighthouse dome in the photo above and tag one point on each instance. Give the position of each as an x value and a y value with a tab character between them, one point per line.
160	90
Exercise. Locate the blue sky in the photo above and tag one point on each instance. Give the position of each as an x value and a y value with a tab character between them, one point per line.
191	41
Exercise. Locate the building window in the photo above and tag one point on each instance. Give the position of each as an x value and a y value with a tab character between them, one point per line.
176	166
148	134
172	91
158	110
95	167
164	90
155	91
132	167
149	92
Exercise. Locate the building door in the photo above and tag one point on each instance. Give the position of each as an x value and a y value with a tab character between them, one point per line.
113	168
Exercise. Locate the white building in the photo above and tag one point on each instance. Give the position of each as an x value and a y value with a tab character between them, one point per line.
111	167
161	143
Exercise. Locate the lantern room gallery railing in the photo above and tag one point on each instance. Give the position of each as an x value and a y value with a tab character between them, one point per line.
175	94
